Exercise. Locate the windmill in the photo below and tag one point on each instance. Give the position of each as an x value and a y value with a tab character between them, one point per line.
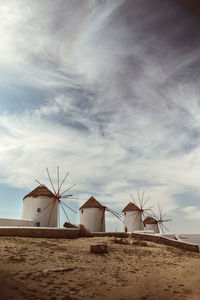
92	215
58	197
135	211
160	219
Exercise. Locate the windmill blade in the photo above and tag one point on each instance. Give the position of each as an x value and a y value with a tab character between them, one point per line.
159	209
149	214
145	202
143	214
153	215
142	197
65	212
114	211
139	199
51	212
67	189
168	220
118	215
133	199
145	209
115	215
59	214
139	214
58	178
68	207
66	196
164	227
69	196
164	215
161	228
63	182
38	182
51	181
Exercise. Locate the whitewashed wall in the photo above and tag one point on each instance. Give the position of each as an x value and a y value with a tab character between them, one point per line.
30	205
132	221
93	219
16	222
153	227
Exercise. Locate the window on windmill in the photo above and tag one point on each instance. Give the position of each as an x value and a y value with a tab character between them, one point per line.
38	210
125	213
82	211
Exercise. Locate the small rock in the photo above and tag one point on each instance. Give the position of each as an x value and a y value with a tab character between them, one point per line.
99	248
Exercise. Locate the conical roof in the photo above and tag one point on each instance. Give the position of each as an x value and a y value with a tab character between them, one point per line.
41	190
150	220
92	202
131	207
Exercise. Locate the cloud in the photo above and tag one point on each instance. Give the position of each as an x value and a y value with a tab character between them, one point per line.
193	213
118	88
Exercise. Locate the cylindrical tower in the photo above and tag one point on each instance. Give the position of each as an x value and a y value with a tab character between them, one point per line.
92	215
151	224
132	216
41	206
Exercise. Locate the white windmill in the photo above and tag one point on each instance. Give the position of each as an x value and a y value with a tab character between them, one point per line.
155	222
134	212
92	215
43	205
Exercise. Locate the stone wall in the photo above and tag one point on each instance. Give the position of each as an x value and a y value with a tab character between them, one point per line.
111	234
166	241
39	232
153	238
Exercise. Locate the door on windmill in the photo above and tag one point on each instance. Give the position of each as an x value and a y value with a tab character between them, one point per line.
37	224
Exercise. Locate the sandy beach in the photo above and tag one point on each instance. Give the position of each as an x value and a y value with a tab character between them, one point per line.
140	270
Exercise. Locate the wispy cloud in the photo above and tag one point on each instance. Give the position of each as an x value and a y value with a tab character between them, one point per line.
119	87
193	213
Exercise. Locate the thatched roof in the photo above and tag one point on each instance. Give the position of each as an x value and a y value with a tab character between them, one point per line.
130	207
150	220
41	190
92	202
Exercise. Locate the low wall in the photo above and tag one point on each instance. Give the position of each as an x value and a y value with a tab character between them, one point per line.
15	222
168	240
40	232
111	234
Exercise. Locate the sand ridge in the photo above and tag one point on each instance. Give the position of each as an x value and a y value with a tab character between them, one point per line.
141	270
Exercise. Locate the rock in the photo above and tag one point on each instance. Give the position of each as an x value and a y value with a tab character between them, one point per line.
99	248
45	272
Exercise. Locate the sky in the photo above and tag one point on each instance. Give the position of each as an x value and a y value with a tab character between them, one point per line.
109	91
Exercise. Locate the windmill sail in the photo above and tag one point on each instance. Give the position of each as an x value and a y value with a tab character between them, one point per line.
135	211
160	219
58	196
